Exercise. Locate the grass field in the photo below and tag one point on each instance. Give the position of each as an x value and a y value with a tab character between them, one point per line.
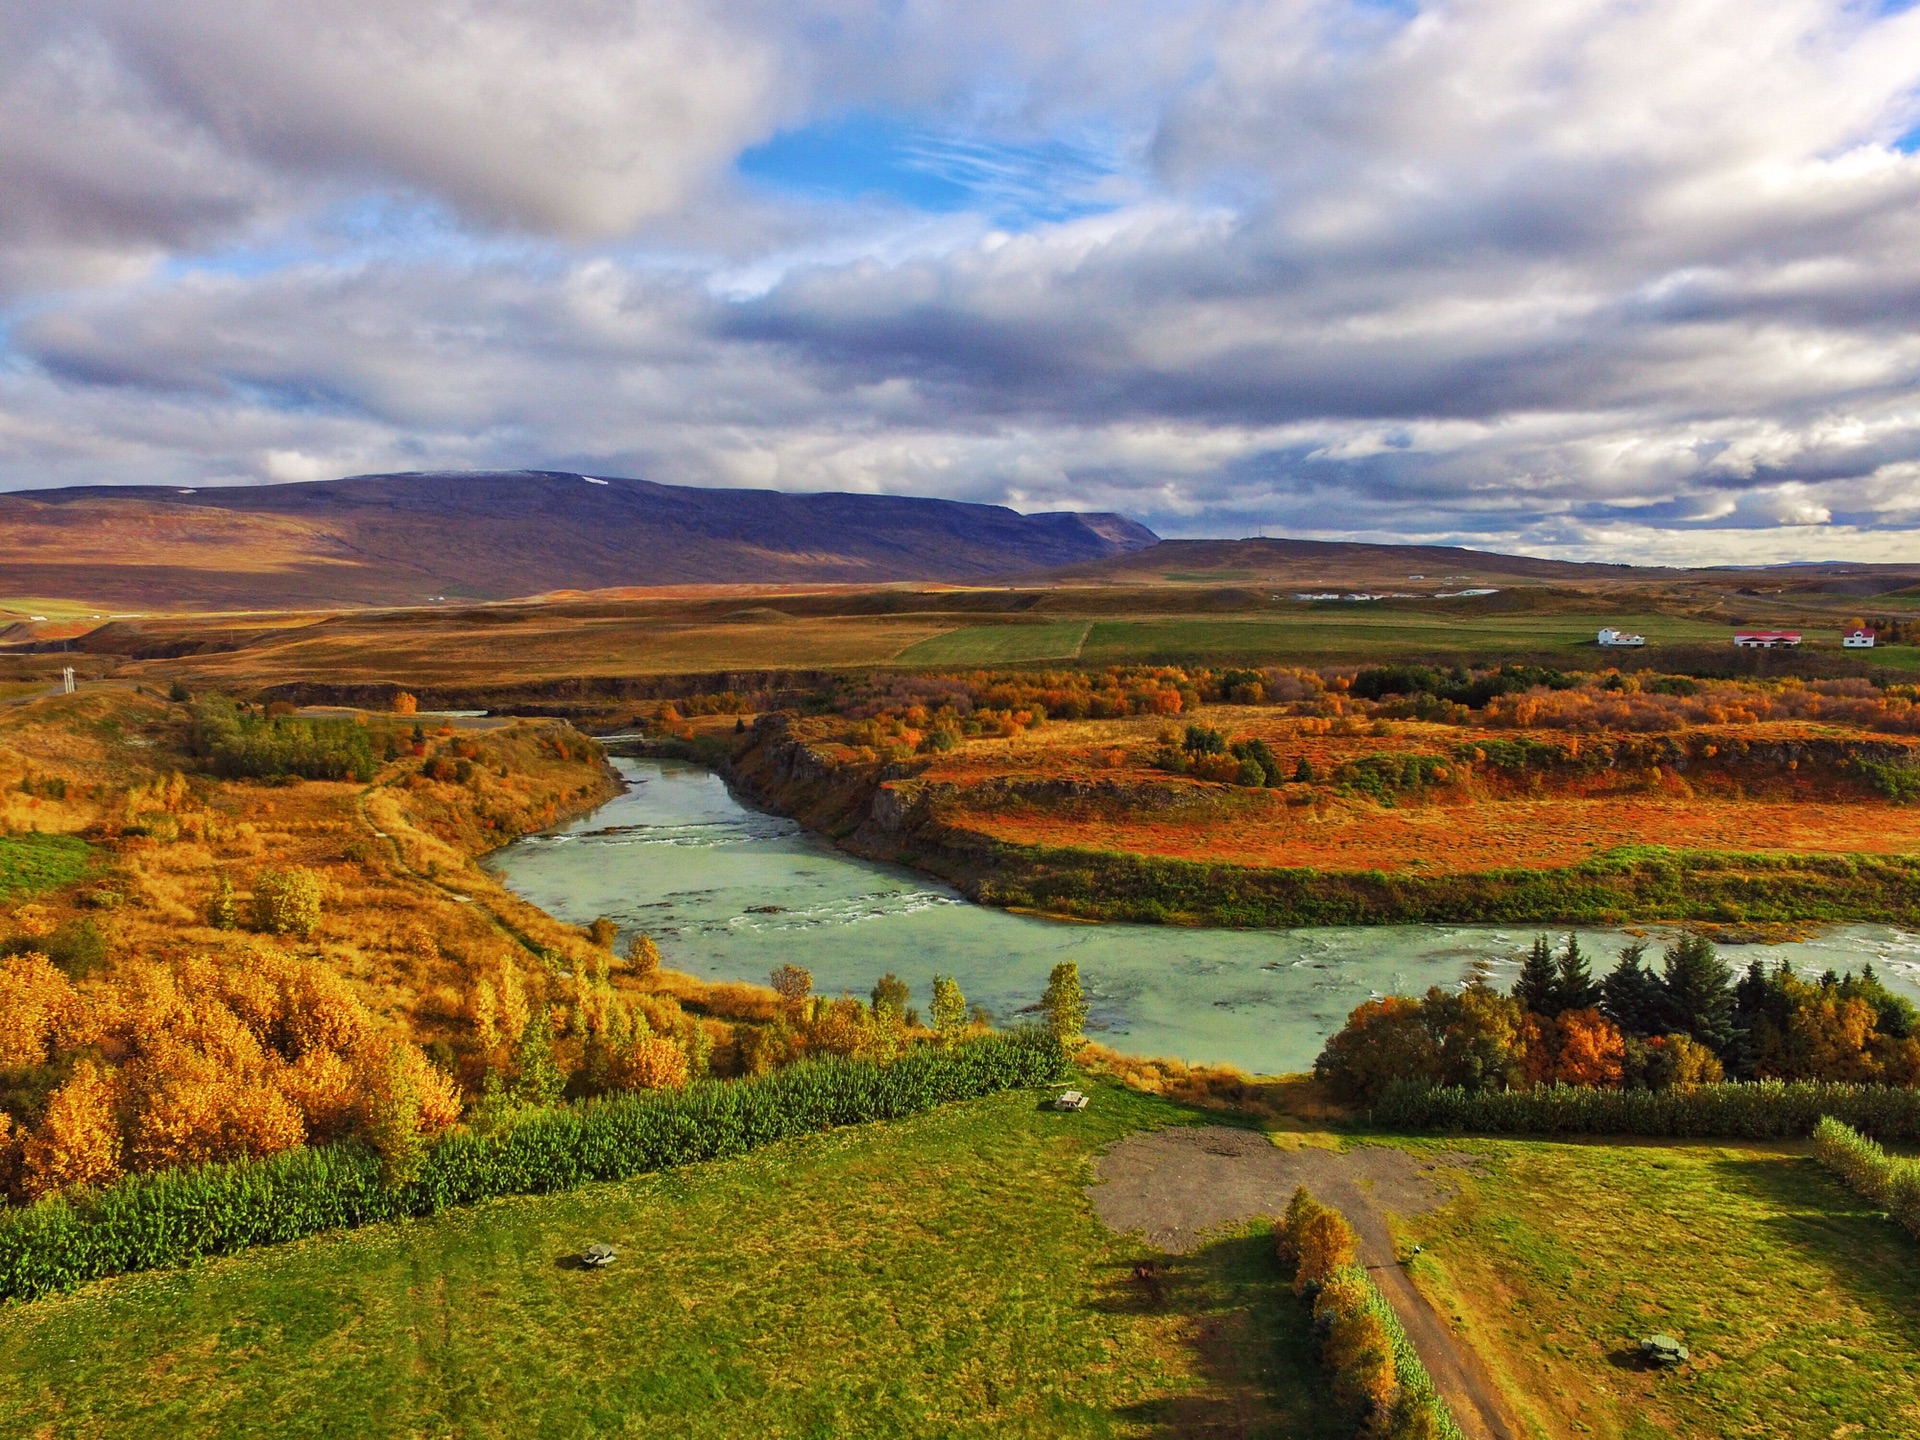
999	644
31	863
1326	635
1801	1306
938	1277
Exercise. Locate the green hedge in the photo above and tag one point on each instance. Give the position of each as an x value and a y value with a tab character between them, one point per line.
1893	1185
1767	1110
175	1217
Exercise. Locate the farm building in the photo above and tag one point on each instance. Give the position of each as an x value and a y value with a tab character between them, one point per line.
1766	639
1857	640
1613	638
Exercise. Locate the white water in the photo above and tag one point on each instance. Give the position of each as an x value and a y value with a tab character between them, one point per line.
730	893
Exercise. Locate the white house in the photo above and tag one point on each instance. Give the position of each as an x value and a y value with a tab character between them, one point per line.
1766	639
1620	638
1857	640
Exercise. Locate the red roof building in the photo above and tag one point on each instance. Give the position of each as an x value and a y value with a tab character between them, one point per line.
1766	639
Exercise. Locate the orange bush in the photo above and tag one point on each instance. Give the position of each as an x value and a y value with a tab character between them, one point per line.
78	1142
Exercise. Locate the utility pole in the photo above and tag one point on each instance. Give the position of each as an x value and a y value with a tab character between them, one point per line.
66	678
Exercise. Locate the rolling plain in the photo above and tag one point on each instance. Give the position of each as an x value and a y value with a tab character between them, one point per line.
1077	745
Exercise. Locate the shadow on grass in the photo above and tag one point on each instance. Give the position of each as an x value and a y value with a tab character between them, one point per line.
1250	1340
1865	1252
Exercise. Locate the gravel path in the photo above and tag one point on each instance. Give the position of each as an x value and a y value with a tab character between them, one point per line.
1173	1186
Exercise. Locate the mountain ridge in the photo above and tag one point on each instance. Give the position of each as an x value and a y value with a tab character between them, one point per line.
407	537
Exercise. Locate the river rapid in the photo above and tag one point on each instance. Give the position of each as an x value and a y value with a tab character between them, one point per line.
730	894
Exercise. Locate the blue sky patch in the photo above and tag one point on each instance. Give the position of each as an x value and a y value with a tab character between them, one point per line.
867	157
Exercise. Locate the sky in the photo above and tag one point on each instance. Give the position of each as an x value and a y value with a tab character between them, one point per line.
1626	281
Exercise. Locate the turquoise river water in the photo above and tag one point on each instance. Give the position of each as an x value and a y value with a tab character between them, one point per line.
730	893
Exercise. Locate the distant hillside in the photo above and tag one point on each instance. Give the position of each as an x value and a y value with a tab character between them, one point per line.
1313	564
403	539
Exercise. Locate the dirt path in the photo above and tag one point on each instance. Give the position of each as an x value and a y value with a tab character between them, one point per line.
1173	1186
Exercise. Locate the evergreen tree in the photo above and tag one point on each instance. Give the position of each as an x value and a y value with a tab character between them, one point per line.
1538	987
1631	997
1698	991
1574	987
1064	1004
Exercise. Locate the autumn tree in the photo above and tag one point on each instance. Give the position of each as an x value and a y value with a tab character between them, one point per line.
223	910
287	902
1383	1041
643	956
78	1140
891	996
1064	1005
1589	1050
793	984
949	1008
537	1077
603	932
405	703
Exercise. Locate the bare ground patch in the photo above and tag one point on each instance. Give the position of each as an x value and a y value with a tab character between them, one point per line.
1173	1187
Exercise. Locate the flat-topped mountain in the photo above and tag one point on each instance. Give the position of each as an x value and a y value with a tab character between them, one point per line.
407	538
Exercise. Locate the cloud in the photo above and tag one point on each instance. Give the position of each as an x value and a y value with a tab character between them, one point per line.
1544	276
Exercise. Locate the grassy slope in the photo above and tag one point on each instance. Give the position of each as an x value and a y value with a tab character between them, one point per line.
32	863
1801	1307
999	644
938	1277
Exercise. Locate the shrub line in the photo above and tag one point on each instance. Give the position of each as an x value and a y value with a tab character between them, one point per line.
1755	1110
176	1217
1871	1173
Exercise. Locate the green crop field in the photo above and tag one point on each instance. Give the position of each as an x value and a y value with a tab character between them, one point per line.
30	863
940	1276
999	644
1323	635
1800	1304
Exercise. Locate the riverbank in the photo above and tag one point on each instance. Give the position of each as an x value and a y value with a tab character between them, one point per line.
732	892
903	812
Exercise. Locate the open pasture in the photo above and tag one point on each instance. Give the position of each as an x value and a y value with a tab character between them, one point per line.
1357	634
1799	1303
936	1277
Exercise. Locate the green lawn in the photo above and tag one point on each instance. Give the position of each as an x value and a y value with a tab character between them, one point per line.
941	1276
1355	632
31	863
999	644
1801	1306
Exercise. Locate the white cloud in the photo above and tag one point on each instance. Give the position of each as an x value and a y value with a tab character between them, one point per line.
1546	275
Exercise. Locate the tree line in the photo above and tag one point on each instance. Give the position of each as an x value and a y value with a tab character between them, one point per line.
1687	1022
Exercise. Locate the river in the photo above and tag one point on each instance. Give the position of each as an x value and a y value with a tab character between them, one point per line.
730	893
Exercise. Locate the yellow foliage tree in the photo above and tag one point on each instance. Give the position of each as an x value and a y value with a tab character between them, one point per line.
39	1009
405	703
287	902
78	1141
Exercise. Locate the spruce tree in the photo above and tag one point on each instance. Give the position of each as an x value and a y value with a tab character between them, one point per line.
1698	991
1631	996
1538	987
1575	989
